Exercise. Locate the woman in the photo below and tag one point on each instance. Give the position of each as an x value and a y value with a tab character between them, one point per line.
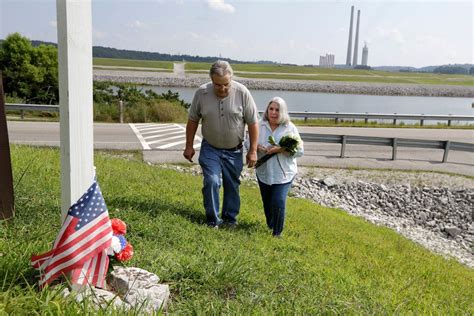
276	174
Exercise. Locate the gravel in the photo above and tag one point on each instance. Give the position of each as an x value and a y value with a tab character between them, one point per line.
434	210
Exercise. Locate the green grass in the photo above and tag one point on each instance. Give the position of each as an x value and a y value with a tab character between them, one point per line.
327	263
265	71
334	74
133	63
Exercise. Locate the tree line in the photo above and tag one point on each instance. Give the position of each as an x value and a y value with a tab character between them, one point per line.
30	75
453	69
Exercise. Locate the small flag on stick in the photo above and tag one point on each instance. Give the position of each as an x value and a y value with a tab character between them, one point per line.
81	246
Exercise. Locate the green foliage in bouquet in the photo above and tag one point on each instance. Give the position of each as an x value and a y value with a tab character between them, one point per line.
288	142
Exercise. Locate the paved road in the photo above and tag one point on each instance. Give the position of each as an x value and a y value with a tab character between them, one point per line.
164	143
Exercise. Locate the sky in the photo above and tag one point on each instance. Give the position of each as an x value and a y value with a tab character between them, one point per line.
397	33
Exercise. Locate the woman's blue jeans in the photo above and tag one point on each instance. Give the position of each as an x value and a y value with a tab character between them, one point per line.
215	163
274	204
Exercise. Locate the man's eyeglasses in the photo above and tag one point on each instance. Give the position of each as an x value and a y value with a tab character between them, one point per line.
217	85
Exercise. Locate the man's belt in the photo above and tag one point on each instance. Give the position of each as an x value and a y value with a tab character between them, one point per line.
239	146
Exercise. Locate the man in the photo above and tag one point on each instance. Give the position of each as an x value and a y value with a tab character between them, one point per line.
224	107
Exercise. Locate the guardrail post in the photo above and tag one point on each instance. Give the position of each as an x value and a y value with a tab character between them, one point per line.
121	110
343	147
366	119
336	120
7	205
394	120
447	144
22	114
394	149
422	121
449	122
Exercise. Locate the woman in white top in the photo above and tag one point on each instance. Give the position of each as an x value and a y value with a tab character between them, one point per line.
276	174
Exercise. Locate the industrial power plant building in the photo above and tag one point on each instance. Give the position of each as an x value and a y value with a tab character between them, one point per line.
365	55
326	61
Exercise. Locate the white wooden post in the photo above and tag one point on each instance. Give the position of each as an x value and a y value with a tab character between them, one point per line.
75	98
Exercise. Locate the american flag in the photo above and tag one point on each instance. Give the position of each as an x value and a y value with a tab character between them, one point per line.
81	245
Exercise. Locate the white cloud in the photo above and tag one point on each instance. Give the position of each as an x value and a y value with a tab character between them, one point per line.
194	36
99	34
390	34
219	5
292	44
135	25
53	23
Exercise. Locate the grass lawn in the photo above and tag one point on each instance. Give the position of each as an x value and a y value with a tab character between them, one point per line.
266	71
327	262
336	74
133	63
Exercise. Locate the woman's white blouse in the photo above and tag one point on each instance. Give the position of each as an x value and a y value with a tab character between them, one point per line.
282	167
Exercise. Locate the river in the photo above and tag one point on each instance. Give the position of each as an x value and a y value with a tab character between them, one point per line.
351	103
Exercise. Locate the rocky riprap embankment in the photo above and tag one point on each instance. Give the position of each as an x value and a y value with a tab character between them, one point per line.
194	81
434	210
440	219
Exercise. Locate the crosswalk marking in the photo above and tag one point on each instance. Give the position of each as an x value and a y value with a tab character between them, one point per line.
172	144
139	136
163	140
161	135
154	136
147	132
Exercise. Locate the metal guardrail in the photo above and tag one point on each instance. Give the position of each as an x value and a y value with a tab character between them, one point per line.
381	116
30	107
331	115
344	140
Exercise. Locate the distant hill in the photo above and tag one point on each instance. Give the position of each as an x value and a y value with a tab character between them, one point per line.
108	52
394	68
421	69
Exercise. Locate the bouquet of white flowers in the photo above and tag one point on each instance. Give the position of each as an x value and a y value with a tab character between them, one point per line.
289	143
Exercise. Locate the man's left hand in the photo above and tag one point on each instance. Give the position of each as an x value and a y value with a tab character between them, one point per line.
251	158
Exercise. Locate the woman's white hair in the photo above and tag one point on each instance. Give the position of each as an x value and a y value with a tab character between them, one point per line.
283	110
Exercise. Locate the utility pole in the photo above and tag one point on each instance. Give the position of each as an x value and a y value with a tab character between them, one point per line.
7	206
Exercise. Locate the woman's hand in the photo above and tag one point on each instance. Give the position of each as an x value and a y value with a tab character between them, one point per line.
261	148
275	150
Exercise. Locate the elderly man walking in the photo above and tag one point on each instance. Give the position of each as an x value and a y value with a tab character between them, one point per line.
224	107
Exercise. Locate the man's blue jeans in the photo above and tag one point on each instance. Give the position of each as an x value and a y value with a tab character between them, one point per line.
216	163
274	204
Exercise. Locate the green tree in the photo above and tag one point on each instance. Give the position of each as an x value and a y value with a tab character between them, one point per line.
30	73
451	70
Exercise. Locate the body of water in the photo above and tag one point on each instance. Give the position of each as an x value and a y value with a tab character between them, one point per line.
352	103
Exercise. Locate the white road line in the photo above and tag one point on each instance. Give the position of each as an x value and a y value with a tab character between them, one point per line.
158	130
154	127
171	144
161	135
163	140
196	138
139	136
140	125
184	129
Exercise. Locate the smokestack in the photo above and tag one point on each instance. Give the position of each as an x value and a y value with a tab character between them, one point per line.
349	43
356	45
